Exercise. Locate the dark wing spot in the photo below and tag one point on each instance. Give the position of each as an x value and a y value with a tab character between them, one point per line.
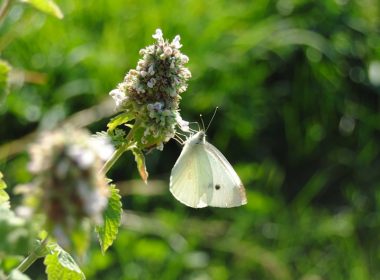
217	187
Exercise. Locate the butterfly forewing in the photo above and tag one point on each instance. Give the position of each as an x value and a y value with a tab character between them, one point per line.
188	180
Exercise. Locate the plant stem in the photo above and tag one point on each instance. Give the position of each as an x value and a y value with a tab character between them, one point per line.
115	156
37	253
4	8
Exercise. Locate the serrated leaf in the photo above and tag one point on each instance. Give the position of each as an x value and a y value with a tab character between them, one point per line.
4	197
46	6
4	85
61	266
119	120
140	161
111	220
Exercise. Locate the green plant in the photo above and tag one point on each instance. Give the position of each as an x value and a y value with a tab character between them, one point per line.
69	195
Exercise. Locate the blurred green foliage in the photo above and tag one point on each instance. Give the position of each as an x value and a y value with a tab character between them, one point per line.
298	85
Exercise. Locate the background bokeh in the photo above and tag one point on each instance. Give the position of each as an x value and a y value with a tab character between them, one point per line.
297	83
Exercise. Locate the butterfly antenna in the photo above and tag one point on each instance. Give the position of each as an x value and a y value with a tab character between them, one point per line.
212	118
203	123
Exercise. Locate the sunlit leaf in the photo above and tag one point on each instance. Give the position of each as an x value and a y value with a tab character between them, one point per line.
112	216
4	86
61	266
4	197
118	120
46	6
140	161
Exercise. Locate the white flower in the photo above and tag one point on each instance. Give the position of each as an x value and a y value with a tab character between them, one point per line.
151	83
119	97
184	58
168	51
186	73
176	42
183	125
151	70
158	35
158	106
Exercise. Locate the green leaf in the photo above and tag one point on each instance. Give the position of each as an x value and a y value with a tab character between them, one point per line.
61	266
17	275
4	197
111	220
46	6
118	120
140	160
117	137
4	85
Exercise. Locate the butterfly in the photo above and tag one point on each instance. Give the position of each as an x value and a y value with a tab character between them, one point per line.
203	177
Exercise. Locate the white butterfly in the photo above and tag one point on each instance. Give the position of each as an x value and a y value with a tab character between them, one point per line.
203	177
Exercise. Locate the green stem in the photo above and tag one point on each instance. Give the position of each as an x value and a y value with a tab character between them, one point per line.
37	253
115	156
4	8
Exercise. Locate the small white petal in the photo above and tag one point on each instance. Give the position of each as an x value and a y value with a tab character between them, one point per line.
184	125
158	106
158	35
151	70
151	83
176	42
118	96
168	51
184	58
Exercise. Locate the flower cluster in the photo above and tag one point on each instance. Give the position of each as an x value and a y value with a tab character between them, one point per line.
151	92
68	187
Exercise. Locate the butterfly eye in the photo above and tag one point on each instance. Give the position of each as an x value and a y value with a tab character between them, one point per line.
217	187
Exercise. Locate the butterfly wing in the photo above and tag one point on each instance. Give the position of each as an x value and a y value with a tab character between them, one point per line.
227	189
191	176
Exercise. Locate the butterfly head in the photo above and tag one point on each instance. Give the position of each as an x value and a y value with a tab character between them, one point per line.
198	138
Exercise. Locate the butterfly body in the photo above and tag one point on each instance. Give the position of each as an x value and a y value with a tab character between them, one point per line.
203	177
